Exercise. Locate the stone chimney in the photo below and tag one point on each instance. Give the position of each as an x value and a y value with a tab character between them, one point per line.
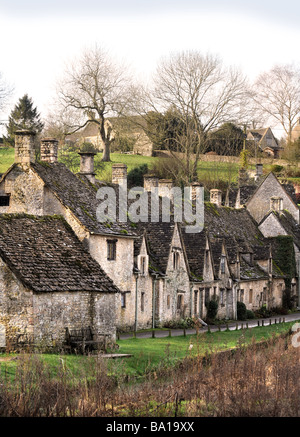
49	149
150	182
216	196
164	188
119	174
24	147
87	165
195	188
276	203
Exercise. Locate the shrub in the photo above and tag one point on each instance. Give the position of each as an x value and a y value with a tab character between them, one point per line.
241	311
250	314
263	312
276	168
212	309
136	176
186	323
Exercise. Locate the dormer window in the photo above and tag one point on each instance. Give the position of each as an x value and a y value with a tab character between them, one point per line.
222	265
176	259
143	265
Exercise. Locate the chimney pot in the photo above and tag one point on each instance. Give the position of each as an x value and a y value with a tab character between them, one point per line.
87	165
49	150
216	197
150	182
24	146
119	174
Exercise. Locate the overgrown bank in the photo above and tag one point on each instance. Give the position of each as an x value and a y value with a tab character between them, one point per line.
253	381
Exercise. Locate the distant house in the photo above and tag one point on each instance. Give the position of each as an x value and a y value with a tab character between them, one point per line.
296	131
265	140
117	127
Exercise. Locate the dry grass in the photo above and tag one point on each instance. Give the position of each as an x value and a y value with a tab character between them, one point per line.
252	381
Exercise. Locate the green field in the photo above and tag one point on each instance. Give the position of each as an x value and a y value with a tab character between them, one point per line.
152	354
210	171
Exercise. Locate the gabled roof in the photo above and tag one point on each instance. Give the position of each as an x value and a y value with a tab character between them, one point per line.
79	195
46	256
158	239
289	190
194	245
259	135
227	222
251	271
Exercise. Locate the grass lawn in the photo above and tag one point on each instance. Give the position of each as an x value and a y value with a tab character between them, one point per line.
7	155
151	353
208	170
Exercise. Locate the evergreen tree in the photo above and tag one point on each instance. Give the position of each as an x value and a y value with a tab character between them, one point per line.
23	116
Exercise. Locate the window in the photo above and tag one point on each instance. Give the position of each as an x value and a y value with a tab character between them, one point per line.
143	265
241	295
195	302
222	296
222	264
4	200
250	295
179	301
206	301
175	260
123	300
111	250
142	302
168	301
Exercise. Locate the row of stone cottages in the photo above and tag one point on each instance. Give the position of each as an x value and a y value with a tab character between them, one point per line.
60	267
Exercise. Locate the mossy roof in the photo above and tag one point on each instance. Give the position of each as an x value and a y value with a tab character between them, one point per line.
45	254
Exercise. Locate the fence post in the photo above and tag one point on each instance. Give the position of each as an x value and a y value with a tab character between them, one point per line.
262	323
134	334
270	321
170	333
153	333
184	332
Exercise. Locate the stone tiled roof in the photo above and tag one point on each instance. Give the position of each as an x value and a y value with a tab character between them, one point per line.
159	237
195	249
290	225
216	250
231	223
79	195
46	256
251	271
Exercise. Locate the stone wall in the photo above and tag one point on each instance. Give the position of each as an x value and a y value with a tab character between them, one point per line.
120	271
16	309
259	204
56	311
26	192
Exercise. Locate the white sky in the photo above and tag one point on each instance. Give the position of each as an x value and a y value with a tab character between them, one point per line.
39	37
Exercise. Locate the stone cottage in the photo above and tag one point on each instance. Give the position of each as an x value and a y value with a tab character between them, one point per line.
49	282
162	272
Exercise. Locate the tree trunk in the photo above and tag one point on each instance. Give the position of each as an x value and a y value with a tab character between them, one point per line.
106	152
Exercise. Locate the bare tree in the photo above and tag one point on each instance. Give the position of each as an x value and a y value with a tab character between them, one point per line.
204	93
94	88
5	92
277	93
